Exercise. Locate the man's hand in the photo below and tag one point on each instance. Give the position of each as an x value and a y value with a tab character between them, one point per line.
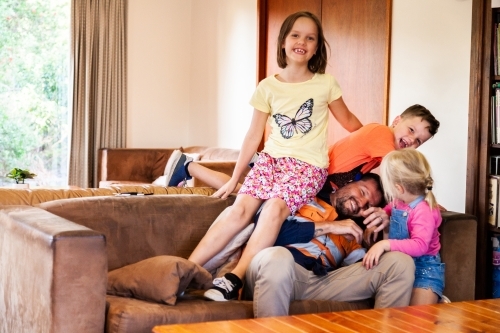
370	237
372	257
375	217
347	228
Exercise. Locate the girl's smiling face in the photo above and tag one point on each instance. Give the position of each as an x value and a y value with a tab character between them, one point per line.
302	41
410	132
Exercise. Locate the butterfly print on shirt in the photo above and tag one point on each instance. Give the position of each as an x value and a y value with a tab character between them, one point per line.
300	123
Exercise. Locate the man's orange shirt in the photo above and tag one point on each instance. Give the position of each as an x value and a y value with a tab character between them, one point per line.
317	211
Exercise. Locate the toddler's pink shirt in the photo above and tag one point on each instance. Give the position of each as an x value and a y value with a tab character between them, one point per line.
423	226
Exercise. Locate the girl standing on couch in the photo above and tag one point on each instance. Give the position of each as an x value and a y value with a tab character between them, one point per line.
292	167
414	221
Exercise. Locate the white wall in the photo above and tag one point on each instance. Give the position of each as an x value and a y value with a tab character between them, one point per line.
430	64
159	68
191	72
224	66
192	69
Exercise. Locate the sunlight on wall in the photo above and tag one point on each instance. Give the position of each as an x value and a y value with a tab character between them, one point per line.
430	65
223	71
159	95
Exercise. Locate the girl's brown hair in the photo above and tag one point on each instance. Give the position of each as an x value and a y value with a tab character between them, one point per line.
318	62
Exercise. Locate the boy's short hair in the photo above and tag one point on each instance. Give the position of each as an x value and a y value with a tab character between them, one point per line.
422	112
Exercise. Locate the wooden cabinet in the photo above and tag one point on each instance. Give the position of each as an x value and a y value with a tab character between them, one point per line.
358	32
479	143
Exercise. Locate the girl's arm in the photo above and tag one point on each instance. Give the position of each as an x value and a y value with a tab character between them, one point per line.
345	117
250	144
421	228
372	257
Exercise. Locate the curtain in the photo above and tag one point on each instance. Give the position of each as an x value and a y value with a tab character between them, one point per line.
98	68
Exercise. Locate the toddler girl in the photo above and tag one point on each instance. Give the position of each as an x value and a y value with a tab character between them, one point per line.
415	218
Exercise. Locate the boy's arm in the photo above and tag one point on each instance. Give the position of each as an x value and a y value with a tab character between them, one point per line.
293	231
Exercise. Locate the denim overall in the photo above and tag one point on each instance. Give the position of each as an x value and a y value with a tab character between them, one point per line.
429	270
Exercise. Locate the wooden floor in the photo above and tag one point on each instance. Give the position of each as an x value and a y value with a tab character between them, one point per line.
472	316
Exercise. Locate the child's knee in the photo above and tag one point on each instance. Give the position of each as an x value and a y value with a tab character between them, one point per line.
236	213
276	210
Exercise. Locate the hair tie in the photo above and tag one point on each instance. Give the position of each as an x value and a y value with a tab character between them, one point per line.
429	188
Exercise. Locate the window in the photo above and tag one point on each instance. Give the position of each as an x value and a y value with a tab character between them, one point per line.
34	86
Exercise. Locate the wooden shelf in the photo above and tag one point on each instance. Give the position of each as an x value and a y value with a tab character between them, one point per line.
479	147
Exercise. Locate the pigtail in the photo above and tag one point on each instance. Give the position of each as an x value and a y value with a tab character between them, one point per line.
429	196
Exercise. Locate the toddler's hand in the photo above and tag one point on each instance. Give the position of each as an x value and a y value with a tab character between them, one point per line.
372	257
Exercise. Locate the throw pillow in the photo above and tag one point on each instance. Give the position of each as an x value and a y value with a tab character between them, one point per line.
158	279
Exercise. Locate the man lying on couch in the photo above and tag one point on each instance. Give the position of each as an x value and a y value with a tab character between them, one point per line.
278	275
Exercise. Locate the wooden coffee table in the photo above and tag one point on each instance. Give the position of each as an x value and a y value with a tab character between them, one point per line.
471	316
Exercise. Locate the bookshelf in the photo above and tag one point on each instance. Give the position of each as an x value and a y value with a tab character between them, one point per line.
480	147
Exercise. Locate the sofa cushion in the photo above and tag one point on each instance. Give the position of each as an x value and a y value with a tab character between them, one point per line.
219	154
157	279
34	196
129	315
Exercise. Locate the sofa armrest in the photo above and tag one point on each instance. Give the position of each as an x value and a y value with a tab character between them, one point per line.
458	252
54	273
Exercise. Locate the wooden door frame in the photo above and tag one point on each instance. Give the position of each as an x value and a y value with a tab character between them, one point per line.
262	39
476	197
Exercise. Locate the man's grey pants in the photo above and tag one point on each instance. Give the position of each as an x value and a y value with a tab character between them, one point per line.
274	280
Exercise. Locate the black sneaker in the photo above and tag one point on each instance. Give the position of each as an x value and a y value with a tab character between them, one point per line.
225	288
175	169
254	159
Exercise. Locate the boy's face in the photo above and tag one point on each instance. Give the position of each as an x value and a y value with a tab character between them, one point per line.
410	132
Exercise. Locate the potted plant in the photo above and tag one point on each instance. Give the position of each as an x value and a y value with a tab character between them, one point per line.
19	175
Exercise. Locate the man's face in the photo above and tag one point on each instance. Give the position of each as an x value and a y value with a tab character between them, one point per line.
410	132
355	197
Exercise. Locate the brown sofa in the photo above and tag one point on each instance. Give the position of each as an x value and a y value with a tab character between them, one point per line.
55	258
143	166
